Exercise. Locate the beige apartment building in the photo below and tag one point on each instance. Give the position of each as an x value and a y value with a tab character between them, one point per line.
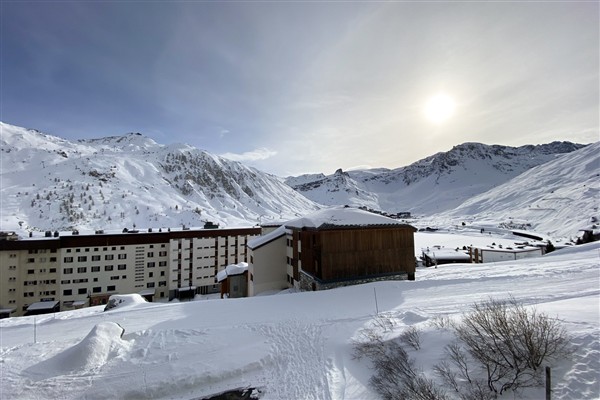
84	270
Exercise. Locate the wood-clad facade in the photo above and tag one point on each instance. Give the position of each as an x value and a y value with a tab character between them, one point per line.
330	254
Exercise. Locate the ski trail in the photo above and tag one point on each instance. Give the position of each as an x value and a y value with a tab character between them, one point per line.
298	360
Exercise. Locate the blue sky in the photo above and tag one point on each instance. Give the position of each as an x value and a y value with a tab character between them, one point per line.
298	87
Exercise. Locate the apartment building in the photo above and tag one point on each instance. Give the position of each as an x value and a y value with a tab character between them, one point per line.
84	270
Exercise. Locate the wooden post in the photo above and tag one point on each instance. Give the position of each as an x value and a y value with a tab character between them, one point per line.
548	383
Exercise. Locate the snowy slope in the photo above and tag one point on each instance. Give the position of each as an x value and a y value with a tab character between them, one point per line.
437	183
110	183
557	198
292	346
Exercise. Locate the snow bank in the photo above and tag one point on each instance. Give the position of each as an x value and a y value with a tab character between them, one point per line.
101	344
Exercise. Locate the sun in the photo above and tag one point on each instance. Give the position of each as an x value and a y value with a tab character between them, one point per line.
439	108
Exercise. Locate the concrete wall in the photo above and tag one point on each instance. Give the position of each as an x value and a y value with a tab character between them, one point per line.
267	268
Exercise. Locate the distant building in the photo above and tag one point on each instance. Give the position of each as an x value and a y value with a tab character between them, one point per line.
334	247
498	253
438	255
85	270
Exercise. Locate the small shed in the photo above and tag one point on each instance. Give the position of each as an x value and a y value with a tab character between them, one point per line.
43	307
499	253
438	255
234	280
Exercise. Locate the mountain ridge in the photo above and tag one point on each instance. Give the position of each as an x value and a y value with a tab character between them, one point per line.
436	183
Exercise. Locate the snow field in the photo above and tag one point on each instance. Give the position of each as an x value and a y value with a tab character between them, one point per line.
292	346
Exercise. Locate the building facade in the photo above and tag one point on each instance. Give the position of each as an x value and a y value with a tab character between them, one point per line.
331	248
84	270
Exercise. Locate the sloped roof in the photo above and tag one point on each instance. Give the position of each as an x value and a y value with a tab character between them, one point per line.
232	269
264	239
336	217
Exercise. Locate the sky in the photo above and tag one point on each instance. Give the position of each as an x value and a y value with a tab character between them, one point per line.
301	86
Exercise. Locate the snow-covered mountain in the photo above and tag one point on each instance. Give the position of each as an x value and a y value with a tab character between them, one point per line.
115	182
437	183
556	198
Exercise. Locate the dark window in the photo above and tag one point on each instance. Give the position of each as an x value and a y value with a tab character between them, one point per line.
122	256
109	257
97	289
95	258
68	259
82	291
67	292
150	285
110	288
68	271
82	258
121	267
82	270
108	267
96	269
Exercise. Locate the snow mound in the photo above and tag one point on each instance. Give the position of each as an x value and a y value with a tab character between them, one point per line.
96	349
124	301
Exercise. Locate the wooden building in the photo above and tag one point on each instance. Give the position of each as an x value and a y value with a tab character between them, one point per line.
344	246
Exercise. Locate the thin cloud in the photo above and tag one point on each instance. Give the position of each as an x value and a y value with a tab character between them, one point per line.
254	155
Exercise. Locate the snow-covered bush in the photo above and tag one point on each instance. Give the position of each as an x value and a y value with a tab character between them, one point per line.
500	346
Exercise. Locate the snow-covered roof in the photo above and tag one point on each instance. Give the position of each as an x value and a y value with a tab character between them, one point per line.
342	216
264	239
42	305
232	269
516	249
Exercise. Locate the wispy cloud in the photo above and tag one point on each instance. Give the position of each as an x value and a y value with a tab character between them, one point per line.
254	155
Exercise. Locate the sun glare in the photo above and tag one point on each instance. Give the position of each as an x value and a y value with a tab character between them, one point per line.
439	108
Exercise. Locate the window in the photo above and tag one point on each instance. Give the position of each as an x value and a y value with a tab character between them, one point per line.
110	288
31	260
95	258
82	291
67	292
162	273
30	271
68	271
122	267
95	279
109	257
65	282
97	289
162	254
151	264
150	285
150	254
122	247
68	250
52	259
68	259
108	267
81	270
13	267
52	270
122	256
150	274
82	258
114	278
96	269
162	283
